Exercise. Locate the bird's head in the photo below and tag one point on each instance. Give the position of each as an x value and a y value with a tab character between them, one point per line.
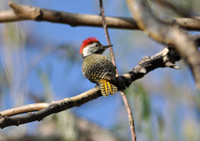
92	46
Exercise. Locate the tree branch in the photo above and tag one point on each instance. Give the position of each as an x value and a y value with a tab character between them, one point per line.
167	34
21	12
126	103
165	58
53	107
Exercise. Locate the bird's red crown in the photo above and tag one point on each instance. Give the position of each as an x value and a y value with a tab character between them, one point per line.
87	42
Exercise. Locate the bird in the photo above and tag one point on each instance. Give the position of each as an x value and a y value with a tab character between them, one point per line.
97	67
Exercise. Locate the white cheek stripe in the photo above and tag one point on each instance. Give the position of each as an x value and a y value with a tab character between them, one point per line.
87	50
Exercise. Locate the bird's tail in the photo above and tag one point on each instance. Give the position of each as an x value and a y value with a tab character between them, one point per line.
107	88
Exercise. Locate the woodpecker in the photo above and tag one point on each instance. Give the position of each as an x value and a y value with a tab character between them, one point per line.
96	67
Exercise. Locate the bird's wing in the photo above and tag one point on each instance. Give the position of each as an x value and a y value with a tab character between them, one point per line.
109	69
98	67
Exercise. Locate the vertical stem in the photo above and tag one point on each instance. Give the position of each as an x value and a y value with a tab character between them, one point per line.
107	35
126	103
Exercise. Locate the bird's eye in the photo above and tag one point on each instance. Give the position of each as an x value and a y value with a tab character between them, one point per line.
97	45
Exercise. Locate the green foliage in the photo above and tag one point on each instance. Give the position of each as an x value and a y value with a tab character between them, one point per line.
137	91
44	77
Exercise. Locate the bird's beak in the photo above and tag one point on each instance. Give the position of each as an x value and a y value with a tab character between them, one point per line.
105	47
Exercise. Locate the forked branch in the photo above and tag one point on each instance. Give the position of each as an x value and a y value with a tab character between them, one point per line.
166	58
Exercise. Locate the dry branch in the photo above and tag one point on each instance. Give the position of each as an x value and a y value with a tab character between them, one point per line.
21	12
53	107
167	34
166	58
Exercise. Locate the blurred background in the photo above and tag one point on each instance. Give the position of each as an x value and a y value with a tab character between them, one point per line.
40	62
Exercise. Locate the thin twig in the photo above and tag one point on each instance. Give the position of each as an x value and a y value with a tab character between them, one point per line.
24	109
126	103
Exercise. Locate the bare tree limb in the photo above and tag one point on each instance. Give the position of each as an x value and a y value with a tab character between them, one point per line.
53	107
167	34
165	58
126	103
21	12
